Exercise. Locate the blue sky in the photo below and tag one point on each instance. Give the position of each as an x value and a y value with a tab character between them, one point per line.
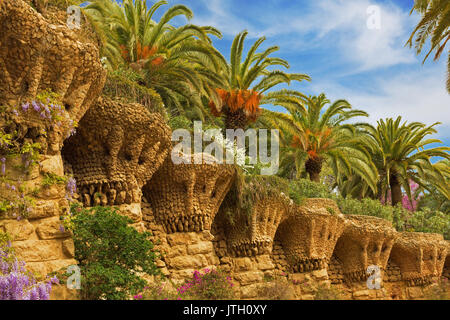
330	41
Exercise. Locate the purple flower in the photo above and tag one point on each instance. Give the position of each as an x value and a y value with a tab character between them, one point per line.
3	166
71	187
25	106
61	228
36	107
15	112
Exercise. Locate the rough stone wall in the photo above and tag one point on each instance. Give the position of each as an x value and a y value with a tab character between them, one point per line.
186	197
251	235
115	151
37	55
269	274
310	233
365	241
420	256
35	230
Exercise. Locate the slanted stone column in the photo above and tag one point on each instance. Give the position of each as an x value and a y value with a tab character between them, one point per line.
186	197
420	256
116	150
252	235
310	234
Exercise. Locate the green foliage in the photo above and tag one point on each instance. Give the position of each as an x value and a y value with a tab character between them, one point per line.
398	150
4	238
210	285
323	292
5	206
47	96
52	179
275	288
434	25
305	188
247	189
127	84
428	220
111	254
180	63
180	122
371	207
5	140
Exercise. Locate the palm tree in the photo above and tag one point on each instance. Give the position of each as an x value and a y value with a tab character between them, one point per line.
315	135
435	24
248	81
400	155
180	63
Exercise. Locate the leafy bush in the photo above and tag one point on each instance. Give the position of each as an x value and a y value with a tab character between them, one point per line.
15	282
371	207
277	288
125	83
111	254
209	285
304	188
180	122
247	189
428	220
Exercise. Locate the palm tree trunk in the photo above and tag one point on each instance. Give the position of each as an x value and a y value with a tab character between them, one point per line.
236	120
313	167
396	190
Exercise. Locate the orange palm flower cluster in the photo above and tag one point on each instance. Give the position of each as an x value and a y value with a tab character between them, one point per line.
157	61
145	52
142	52
248	100
313	143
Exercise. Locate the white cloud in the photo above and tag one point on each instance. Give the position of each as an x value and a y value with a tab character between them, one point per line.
340	25
218	15
416	96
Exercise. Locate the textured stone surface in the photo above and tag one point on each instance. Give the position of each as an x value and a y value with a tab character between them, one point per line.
186	197
253	235
420	256
366	241
310	234
36	55
116	150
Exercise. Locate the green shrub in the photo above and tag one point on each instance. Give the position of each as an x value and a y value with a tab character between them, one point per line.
180	122
209	285
247	189
128	85
428	220
277	288
111	254
52	179
304	188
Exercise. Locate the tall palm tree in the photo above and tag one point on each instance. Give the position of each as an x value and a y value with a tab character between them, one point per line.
315	135
435	24
180	63
248	81
399	153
